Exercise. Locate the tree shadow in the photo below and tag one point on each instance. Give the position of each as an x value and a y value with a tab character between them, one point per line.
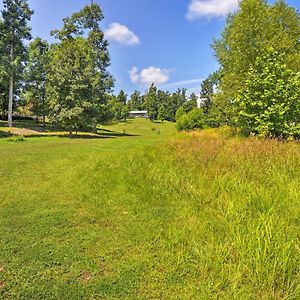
5	134
37	131
82	136
102	135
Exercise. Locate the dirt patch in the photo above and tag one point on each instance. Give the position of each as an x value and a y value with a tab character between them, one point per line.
86	277
24	131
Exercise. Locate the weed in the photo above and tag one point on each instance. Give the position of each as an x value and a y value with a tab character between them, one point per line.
16	138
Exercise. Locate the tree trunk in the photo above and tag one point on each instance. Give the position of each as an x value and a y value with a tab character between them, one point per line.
11	90
10	101
44	114
95	128
3	112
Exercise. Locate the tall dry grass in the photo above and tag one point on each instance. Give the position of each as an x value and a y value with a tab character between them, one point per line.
229	213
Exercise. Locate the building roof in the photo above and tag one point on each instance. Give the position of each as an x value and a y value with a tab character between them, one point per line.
139	112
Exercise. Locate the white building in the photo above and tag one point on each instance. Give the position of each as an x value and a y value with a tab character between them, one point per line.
200	101
138	114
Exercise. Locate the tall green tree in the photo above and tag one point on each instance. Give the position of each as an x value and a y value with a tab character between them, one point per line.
208	88
164	105
35	76
3	76
190	104
170	103
14	30
151	102
270	103
122	97
256	26
78	80
136	101
118	107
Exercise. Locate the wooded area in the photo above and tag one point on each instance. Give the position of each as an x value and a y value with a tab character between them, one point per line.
256	87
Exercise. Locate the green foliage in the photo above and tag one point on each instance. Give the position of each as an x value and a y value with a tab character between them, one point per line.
35	75
208	87
187	106
4	78
136	101
163	105
151	102
78	80
256	26
16	138
14	30
72	84
180	112
122	97
194	119
118	108
270	103
174	101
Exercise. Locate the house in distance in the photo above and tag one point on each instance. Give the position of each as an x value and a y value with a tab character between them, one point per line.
138	114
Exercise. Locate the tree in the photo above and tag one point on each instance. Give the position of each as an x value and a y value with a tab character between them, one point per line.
4	81
71	85
35	77
170	103
78	79
164	106
190	104
136	101
118	107
253	28
152	103
122	97
208	87
193	99
3	77
194	119
14	30
270	103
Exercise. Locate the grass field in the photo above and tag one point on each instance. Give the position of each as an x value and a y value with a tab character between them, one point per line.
142	212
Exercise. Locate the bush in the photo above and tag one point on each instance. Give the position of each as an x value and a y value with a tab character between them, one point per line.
16	138
192	120
269	105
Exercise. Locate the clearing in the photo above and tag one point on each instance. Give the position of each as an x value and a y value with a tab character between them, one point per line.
142	212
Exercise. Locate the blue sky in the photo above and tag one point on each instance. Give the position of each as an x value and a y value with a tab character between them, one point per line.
166	41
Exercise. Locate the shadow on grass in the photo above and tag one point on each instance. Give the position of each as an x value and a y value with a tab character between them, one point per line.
5	134
39	131
102	135
82	136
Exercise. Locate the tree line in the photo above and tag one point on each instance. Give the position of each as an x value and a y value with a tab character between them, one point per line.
257	87
68	81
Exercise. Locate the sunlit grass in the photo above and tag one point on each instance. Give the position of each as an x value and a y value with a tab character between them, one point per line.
148	214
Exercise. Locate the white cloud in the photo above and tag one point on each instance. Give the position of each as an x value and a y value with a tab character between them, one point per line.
134	76
121	34
149	75
211	8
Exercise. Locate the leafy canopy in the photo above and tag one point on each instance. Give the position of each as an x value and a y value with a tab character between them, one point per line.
270	103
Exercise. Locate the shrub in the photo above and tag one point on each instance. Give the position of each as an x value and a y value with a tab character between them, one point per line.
269	105
16	138
192	120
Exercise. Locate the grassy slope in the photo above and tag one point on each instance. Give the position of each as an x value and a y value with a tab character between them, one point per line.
202	216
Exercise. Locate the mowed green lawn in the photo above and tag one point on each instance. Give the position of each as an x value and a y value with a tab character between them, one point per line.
142	212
